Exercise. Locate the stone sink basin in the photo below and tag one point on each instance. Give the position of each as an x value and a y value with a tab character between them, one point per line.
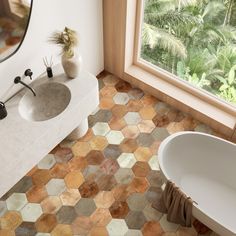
51	99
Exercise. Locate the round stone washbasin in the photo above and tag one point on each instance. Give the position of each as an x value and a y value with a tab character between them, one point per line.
51	99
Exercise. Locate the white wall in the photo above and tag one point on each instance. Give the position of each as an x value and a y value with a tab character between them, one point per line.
85	16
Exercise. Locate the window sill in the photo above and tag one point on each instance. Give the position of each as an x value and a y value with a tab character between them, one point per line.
211	115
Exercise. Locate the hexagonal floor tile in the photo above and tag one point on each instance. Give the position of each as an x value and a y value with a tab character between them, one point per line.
139	185
104	199
101	217
130	131
98	143
151	214
47	162
134	232
124	175
168	226
63	155
3	208
62	229
70	197
147	112
31	212
123	86
129	145
112	151
143	154
152	228
141	169
95	157
101	128
55	187
145	140
106	182
85	207
119	209
121	98
10	221
16	201
135	220
160	134
82	225
132	118
117	225
136	93
115	137
154	178
45	223
109	167
88	189
26	228
126	160
74	179
137	201
146	126
153	163
66	215
81	149
51	204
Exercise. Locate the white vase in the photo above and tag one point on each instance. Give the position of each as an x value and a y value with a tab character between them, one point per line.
73	65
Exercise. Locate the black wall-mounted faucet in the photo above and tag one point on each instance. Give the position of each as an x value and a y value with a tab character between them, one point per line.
17	80
29	73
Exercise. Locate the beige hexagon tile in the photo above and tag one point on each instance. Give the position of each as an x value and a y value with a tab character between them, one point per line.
3	208
81	148
31	212
106	103
104	199
146	126
131	131
153	163
62	229
98	143
16	201
121	98
167	226
126	160
55	187
101	128
132	118
51	204
108	91
70	197
117	225
117	123
10	221
147	112
143	154
47	162
101	217
115	137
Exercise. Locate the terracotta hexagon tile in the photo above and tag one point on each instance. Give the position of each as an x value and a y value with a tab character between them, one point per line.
112	151
160	120
51	204
120	192
55	187
134	106
136	93
139	185
104	199
31	212
7	232
146	126
59	170
137	201
117	225
88	189
154	178
121	98
152	228
66	215
117	123
98	143
123	86
118	111
26	228
78	164
130	132
148	100
106	182
108	91
87	137
101	128
92	172
126	160
81	149
109	166
124	175
95	157
101	217
141	169
175	127
101	231
129	145
36	194
143	154
46	223
74	179
82	225
147	112
70	197
62	230
106	103
85	207
41	177
63	155
119	210
16	201
47	162
11	220
135	220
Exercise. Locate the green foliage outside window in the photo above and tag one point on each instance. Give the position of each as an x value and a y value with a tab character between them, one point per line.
194	39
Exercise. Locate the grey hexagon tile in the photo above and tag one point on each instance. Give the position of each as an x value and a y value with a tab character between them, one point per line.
203	128
66	215
154	178
162	108
160	134
145	140
3	208
85	207
55	187
135	93
126	160
121	98
112	151
135	220
26	228
16	201
31	212
153	194
115	137
167	226
100	84
137	201
134	232
124	175
152	214
132	118
117	227
103	116
153	163
101	128
47	162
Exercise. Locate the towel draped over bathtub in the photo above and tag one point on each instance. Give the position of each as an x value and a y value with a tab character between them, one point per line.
176	205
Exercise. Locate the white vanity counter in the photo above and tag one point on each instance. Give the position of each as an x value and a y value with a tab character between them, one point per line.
24	143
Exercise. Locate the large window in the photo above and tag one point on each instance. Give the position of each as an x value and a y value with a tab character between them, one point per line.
193	39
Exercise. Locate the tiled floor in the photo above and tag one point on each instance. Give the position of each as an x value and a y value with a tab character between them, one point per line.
104	183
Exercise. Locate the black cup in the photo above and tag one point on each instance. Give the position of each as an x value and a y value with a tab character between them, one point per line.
3	111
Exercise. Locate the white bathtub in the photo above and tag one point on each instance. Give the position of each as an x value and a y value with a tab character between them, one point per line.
204	167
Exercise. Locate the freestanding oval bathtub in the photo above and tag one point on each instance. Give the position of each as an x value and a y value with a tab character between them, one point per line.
203	167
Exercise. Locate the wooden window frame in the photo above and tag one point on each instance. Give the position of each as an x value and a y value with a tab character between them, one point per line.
122	27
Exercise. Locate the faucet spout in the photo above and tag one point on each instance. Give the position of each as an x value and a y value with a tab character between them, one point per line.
18	80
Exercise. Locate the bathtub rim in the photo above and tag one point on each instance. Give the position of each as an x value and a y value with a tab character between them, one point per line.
197	211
